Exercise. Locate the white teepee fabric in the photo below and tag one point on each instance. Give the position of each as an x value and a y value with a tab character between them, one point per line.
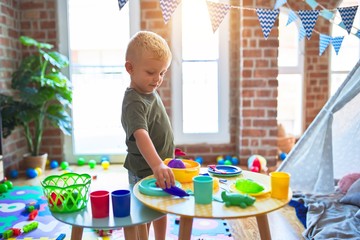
330	147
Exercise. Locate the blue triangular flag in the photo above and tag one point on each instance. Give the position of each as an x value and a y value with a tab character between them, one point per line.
292	17
308	19
358	34
279	3
312	3
122	3
302	32
336	42
267	18
342	25
347	15
326	14
323	43
168	7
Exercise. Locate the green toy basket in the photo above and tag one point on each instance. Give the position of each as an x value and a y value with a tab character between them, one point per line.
68	192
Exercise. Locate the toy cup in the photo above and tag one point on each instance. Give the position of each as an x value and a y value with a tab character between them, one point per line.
280	183
100	203
203	189
121	203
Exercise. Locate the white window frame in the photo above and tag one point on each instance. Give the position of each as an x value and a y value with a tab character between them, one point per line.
63	37
223	135
299	69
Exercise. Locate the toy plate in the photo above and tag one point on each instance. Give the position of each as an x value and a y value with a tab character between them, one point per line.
230	171
148	187
266	190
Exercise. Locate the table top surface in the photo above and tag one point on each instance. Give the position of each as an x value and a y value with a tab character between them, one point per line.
139	213
186	206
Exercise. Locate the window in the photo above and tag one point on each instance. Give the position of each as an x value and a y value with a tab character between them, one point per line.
349	53
290	78
200	81
96	34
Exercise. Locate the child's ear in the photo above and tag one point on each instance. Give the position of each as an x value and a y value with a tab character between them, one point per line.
129	67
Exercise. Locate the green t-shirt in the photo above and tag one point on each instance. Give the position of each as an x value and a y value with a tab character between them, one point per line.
145	111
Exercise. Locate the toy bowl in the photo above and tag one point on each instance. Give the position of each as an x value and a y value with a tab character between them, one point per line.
68	192
185	175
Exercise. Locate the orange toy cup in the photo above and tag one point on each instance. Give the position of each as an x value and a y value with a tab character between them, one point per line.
280	183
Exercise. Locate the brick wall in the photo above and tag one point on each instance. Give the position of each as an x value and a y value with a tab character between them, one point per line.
253	73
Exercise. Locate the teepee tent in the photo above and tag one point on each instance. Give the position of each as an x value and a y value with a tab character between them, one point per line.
330	147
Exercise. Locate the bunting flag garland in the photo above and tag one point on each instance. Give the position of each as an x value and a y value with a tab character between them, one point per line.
312	3
267	19
122	3
324	43
279	3
347	16
302	32
292	17
336	42
308	19
217	12
168	7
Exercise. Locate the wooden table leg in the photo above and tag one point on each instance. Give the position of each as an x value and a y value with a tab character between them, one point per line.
76	233
263	226
130	232
142	232
185	228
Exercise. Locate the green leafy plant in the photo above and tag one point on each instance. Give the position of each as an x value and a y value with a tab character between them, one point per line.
40	92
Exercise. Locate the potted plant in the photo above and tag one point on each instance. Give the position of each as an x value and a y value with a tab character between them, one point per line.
40	92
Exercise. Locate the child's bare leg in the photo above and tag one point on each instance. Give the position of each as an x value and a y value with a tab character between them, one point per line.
160	228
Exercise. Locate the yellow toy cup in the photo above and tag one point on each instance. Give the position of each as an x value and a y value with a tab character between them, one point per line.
280	183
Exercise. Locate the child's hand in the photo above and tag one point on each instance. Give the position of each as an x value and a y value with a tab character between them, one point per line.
164	176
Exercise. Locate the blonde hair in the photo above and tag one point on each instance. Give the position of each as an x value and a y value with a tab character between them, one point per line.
150	42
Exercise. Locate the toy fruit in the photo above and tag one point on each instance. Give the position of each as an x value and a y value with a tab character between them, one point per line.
176	163
56	199
248	186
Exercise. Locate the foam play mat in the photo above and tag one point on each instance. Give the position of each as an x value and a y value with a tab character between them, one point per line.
14	214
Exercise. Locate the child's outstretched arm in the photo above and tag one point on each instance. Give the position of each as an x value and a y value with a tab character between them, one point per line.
163	174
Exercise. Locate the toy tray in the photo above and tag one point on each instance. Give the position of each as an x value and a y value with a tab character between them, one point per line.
229	171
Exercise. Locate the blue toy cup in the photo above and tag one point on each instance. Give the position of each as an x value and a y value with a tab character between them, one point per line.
121	202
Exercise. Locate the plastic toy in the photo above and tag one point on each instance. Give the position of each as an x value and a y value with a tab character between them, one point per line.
81	161
55	199
8	234
29	207
61	236
282	156
9	184
228	162
199	159
257	163
220	160
92	163
179	152
104	158
30	227
235	160
248	186
14	173
176	163
176	191
105	164
16	231
54	164
31	173
3	188
33	214
64	165
38	171
237	199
